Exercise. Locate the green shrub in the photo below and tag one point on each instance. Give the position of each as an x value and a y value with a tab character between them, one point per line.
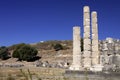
4	53
58	47
25	52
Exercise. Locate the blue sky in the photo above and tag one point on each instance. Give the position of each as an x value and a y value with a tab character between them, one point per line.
32	21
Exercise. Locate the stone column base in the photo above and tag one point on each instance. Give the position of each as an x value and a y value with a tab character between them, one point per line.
75	68
97	68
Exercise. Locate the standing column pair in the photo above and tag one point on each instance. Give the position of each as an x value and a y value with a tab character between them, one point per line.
91	52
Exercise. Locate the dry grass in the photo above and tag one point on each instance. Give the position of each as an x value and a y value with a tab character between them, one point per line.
31	74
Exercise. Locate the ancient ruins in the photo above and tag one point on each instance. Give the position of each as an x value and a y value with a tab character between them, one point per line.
87	40
90	56
95	50
76	65
98	55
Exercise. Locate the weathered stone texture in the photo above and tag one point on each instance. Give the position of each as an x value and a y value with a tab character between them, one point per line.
109	50
95	49
96	54
76	65
87	40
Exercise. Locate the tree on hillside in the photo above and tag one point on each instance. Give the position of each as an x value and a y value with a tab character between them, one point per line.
58	47
25	52
4	53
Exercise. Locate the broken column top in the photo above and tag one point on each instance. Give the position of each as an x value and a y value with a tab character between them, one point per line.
86	9
76	27
94	14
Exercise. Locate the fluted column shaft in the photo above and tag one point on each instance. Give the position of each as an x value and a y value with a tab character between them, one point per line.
95	49
87	40
76	65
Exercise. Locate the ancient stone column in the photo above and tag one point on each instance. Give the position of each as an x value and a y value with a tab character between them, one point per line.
87	40
96	66
76	65
95	49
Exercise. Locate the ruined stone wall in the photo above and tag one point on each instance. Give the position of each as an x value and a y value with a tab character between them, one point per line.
110	51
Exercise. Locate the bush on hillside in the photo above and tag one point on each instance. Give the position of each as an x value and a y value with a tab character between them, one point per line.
25	52
58	47
4	53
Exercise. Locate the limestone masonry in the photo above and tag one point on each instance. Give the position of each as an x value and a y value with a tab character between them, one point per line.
87	40
90	59
95	50
76	65
97	55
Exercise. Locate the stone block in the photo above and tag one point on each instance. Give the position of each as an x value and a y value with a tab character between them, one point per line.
97	68
86	9
87	54
87	62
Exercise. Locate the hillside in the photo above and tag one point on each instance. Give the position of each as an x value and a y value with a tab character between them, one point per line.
48	53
